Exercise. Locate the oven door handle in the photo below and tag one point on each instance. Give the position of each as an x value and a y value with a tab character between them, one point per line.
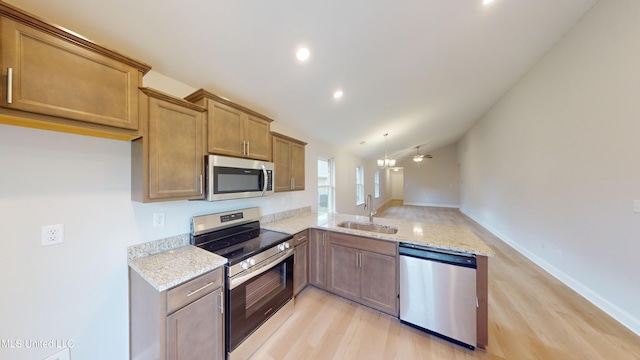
253	272
265	179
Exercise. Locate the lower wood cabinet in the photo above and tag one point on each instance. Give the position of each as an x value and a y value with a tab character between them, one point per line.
167	162
364	270
318	258
301	261
183	322
192	330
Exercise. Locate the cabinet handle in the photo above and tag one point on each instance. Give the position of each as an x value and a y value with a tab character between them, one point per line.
301	238
244	147
221	303
200	289
9	85
360	259
201	184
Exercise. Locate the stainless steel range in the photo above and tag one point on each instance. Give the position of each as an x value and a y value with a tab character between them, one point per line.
259	286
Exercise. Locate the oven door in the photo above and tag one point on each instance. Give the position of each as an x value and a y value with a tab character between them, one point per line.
254	297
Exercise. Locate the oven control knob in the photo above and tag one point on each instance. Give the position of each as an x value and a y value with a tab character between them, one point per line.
252	262
281	247
286	245
244	265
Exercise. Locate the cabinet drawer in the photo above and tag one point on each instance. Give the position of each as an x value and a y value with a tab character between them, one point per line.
368	244
192	290
301	237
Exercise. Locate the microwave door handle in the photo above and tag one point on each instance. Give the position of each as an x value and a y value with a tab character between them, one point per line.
264	182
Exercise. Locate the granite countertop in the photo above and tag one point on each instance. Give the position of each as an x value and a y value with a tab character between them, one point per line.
173	267
435	235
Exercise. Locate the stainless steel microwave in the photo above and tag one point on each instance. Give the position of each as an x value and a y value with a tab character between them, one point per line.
234	178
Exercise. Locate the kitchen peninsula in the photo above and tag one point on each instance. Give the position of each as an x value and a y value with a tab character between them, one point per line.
331	248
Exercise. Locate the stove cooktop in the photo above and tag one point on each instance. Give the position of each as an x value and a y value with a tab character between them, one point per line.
240	242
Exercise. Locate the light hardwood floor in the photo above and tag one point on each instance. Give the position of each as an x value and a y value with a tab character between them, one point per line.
531	316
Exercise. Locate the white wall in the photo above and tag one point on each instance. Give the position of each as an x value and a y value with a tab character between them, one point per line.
397	184
553	167
433	182
79	290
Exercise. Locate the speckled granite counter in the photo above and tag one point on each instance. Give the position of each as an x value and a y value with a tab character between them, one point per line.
173	267
435	235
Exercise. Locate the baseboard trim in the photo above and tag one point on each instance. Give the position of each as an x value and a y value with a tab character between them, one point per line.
621	316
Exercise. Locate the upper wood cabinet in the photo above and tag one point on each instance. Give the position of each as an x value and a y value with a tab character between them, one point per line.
234	130
168	160
59	81
288	157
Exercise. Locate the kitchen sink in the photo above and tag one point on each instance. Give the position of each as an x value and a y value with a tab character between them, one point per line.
382	229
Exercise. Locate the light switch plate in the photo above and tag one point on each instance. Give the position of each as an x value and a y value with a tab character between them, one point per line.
636	206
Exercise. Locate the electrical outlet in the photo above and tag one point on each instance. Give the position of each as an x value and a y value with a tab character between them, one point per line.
60	355
52	235
158	219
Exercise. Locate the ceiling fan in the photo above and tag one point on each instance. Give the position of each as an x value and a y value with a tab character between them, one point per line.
419	157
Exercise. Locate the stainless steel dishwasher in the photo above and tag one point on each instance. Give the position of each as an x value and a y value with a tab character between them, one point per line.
438	292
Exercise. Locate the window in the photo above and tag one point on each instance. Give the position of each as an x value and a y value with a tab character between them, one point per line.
359	185
376	184
325	186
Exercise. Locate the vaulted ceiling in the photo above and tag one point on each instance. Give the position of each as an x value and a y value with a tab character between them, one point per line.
422	71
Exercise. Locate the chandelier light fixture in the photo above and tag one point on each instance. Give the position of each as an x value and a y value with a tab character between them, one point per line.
386	162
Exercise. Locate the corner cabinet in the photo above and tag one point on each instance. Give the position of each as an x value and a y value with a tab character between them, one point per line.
289	159
364	270
234	130
184	322
168	160
318	258
300	261
56	80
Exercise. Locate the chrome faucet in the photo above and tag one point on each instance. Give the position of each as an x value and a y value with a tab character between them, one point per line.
370	206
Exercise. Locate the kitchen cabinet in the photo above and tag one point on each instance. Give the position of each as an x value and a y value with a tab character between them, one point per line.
183	322
364	270
234	130
168	160
56	80
289	162
301	261
317	258
482	289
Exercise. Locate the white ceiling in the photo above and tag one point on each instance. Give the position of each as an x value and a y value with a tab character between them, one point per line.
421	70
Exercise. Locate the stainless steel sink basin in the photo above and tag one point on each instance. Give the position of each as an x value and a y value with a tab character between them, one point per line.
382	229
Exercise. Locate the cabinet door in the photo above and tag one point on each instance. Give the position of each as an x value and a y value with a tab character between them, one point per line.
301	267
282	163
317	258
379	287
225	133
258	138
176	151
195	332
344	272
297	166
57	78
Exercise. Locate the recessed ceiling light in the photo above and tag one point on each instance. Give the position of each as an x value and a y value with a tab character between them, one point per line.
338	94
303	54
487	1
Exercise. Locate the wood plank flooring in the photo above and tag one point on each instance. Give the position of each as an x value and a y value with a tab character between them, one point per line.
531	316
